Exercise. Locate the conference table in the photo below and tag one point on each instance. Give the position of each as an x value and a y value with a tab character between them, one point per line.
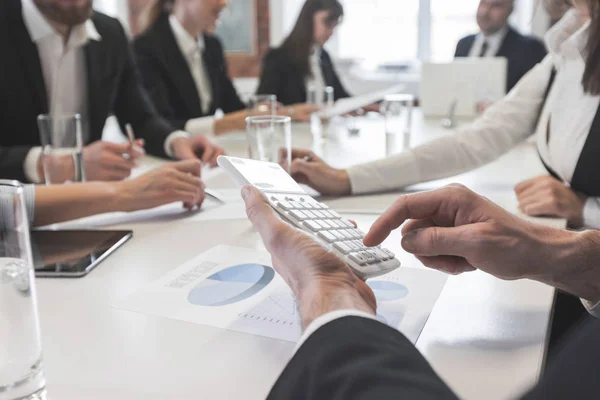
485	337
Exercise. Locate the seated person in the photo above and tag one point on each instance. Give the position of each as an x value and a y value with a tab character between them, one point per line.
498	39
301	60
560	108
185	71
171	183
61	57
347	353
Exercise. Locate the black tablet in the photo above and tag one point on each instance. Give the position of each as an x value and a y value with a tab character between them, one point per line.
73	254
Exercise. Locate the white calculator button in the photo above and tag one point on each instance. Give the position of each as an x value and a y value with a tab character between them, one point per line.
347	224
329	238
322	206
352	245
338	235
296	205
328	214
382	254
389	253
357	258
326	225
284	205
374	254
347	235
371	259
335	214
310	214
343	247
313	226
351	234
299	215
319	214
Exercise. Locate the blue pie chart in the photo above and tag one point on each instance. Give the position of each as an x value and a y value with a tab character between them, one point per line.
388	291
231	285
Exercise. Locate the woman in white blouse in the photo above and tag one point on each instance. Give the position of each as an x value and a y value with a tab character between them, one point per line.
555	105
171	183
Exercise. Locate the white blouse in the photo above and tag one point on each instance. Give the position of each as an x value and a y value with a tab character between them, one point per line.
507	123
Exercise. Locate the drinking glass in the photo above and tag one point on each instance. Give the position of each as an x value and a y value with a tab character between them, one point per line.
321	98
62	148
262	104
397	110
266	135
21	372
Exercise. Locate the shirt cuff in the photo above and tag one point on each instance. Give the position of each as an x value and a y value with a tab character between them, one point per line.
593	309
171	138
330	317
389	173
30	167
591	213
203	125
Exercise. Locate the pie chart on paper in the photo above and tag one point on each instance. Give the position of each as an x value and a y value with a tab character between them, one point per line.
387	290
231	285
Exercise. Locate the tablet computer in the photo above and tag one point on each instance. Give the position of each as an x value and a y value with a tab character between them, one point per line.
73	253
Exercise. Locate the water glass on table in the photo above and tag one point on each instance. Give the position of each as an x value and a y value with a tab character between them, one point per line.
266	135
262	104
21	372
62	148
398	111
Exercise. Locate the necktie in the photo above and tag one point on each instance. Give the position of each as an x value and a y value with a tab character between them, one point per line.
484	49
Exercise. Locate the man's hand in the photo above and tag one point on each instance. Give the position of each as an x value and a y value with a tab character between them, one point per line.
106	161
455	230
171	183
545	195
321	281
310	170
197	147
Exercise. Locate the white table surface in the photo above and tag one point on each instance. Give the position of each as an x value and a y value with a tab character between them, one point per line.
485	337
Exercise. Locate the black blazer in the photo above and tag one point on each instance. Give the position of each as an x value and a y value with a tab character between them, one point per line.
521	52
168	78
358	358
281	77
113	86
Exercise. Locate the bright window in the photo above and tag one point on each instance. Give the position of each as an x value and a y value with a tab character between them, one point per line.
450	21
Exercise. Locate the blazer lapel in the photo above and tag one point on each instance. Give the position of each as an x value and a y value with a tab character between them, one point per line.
98	67
507	43
213	75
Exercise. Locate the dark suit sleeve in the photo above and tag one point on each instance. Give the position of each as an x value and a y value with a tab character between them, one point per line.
155	86
230	102
270	77
12	160
462	47
133	105
575	371
359	358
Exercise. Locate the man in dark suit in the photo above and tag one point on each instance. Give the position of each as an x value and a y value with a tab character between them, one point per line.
61	57
498	39
347	353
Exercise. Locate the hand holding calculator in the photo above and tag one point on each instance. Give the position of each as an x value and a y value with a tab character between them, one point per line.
302	211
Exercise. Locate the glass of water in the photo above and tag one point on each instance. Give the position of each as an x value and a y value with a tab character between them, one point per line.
21	374
62	148
321	97
262	104
398	112
267	135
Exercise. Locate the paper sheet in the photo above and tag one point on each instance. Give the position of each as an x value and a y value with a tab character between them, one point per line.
211	210
345	106
237	289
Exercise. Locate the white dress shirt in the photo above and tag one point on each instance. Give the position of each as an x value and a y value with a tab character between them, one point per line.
316	82
192	50
494	42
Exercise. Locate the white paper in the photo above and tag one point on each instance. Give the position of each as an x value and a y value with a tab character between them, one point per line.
211	210
345	106
237	289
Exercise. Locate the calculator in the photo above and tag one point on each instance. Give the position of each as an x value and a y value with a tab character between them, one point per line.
304	212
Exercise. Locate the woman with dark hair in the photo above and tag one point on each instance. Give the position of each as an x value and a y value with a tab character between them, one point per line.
184	68
301	59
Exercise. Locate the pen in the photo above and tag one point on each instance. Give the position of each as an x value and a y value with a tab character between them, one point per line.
130	135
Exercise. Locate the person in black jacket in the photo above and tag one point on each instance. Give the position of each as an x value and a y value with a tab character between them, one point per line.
498	39
347	353
63	58
184	69
301	58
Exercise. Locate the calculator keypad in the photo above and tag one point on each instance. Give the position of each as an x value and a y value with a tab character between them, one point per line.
317	218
